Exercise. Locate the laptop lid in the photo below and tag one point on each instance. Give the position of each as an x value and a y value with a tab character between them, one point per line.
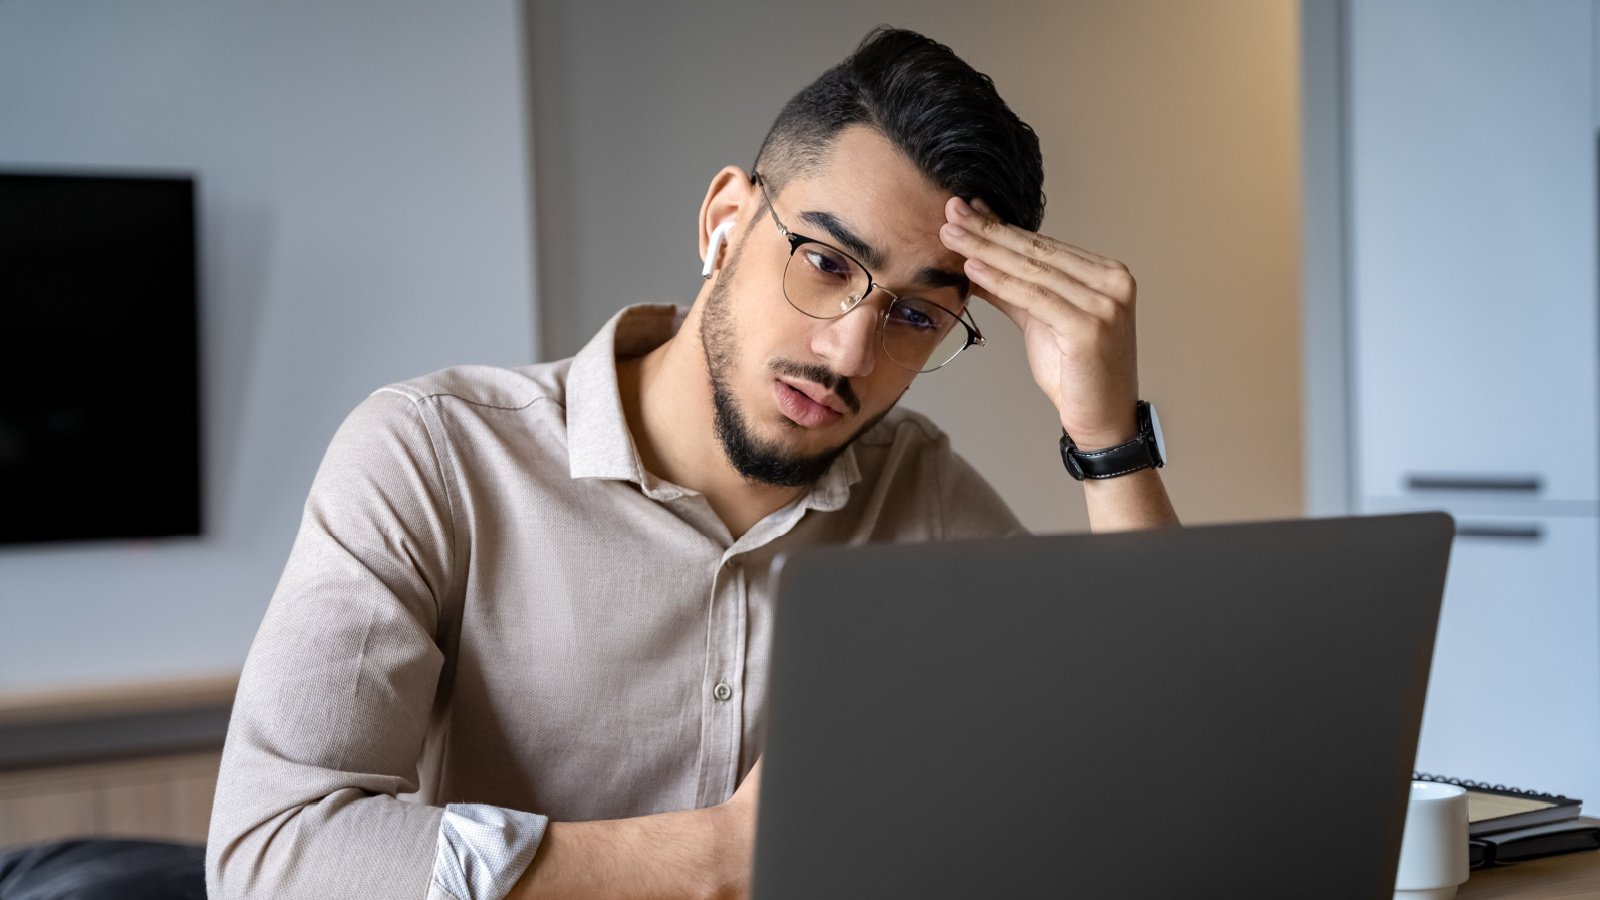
1215	711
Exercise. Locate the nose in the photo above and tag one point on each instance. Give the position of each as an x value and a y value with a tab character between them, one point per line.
849	343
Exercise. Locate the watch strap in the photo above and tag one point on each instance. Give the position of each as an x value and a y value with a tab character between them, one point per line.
1111	462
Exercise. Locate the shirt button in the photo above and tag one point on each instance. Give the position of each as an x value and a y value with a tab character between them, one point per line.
722	691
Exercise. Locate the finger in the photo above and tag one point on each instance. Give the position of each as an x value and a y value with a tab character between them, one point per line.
983	208
1017	315
1029	298
1026	274
1101	273
1084	263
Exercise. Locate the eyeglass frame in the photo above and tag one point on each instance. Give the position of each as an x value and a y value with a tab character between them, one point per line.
974	336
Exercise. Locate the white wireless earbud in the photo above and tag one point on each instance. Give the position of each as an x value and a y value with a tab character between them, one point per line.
719	236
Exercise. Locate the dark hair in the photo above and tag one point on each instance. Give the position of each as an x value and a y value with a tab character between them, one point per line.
939	111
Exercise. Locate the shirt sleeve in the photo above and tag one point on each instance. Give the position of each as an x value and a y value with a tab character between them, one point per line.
483	850
338	694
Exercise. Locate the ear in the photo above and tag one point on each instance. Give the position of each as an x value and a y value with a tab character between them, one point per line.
727	200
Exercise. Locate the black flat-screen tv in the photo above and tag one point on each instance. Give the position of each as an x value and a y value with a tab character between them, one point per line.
99	357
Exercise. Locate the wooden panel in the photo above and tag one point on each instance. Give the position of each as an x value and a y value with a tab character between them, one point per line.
192	806
163	798
27	818
137	809
166	796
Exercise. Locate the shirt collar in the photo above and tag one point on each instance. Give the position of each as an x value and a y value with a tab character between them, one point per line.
598	442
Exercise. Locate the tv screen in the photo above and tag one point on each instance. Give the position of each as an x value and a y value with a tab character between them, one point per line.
100	414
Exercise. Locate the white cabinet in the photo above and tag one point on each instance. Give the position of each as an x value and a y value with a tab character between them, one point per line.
1472	247
1514	694
1470	274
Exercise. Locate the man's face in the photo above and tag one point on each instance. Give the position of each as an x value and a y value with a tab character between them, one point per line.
791	392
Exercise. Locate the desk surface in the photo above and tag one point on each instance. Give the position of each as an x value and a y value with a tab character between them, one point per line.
1571	876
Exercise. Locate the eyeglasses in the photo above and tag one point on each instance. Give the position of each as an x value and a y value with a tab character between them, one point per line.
825	282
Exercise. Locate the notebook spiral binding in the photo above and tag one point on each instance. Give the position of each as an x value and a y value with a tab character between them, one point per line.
1485	786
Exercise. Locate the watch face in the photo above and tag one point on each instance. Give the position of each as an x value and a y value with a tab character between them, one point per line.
1155	429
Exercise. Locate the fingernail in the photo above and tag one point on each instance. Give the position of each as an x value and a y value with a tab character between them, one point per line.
976	265
982	206
963	206
953	230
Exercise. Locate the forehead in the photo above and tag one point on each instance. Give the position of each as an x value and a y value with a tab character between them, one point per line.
879	193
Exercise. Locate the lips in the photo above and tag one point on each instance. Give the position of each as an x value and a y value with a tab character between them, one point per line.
807	405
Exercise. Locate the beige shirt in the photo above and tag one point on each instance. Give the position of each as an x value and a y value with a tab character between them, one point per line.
490	601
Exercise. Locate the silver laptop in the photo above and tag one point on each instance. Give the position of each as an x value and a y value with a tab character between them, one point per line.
1225	711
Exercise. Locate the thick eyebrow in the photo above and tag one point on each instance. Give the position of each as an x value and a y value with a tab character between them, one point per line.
929	276
941	278
841	232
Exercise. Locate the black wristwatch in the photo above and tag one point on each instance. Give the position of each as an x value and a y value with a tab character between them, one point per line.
1147	450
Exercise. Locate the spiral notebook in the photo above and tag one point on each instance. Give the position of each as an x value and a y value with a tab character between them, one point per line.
1495	808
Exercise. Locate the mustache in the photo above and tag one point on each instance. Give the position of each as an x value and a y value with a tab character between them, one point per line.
836	383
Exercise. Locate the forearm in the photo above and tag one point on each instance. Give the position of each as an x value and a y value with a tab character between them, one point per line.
344	844
690	854
1128	502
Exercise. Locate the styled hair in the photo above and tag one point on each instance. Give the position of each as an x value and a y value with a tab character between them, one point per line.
940	112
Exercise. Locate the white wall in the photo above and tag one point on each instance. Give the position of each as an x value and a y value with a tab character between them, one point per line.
365	206
1170	132
364	214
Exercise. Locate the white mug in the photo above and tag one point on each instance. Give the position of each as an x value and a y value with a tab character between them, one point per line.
1433	853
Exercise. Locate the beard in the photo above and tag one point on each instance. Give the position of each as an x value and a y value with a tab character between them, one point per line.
755	459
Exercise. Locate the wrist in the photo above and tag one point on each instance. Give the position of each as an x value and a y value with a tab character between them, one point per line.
731	841
672	854
1089	440
1107	453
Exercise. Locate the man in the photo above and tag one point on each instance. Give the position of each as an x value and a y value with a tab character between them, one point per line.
538	600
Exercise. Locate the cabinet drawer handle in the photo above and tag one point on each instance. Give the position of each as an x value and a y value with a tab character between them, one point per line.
1526	484
1502	532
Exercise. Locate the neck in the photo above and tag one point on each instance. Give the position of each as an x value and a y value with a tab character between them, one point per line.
666	399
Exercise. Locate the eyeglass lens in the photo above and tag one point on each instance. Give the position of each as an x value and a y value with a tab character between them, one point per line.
916	333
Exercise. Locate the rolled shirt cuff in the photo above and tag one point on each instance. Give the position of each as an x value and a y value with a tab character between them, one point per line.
483	850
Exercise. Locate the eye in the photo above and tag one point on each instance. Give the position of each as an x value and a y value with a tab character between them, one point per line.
918	315
825	262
